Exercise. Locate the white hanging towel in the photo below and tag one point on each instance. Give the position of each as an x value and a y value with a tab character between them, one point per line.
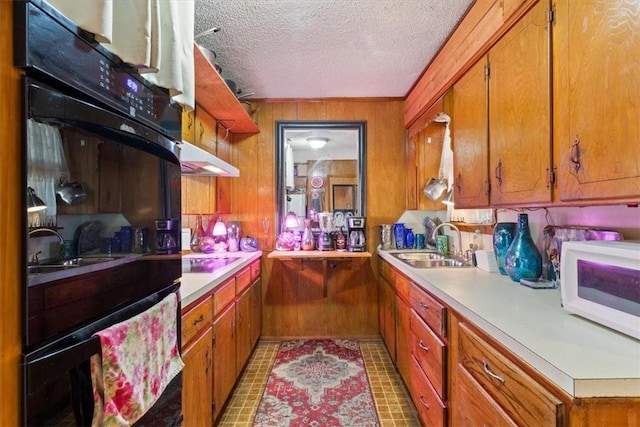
446	159
176	68
94	16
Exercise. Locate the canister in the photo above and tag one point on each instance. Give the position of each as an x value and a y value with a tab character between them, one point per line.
385	236
442	244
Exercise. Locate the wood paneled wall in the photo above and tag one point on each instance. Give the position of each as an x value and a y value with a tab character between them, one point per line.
10	224
253	196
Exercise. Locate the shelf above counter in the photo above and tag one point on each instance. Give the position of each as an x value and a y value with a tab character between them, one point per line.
317	254
214	96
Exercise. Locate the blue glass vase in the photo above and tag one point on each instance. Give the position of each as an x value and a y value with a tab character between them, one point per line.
523	260
398	235
408	238
503	234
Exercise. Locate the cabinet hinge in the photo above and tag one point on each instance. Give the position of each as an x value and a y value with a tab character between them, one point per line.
213	343
487	72
551	14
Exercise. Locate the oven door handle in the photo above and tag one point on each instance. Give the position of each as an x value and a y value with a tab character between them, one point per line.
46	367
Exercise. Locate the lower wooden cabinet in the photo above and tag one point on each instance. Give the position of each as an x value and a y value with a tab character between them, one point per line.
197	377
432	411
243	329
525	400
219	332
197	355
479	407
224	358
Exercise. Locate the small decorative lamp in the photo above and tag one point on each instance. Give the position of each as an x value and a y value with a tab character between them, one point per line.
219	236
34	203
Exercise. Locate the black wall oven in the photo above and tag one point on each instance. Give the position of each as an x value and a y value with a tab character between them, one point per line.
119	137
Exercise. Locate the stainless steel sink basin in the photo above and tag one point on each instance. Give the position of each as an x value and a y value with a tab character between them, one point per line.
431	260
43	269
58	265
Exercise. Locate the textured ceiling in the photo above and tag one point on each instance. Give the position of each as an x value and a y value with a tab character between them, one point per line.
326	48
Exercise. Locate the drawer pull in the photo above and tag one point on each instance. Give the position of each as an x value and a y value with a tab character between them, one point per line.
423	305
198	320
489	372
422	346
425	404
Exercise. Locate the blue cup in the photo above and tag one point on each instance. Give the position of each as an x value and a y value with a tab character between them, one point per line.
420	241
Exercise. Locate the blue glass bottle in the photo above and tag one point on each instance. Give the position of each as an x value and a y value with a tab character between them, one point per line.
503	234
523	260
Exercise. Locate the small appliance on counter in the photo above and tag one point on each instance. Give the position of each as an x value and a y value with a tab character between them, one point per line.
601	282
325	240
168	236
356	242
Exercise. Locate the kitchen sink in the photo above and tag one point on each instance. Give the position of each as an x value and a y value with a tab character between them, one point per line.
431	260
51	266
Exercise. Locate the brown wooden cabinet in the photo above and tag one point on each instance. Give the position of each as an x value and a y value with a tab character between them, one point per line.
520	112
517	395
388	316
469	130
189	126
479	406
219	332
403	328
197	354
243	329
224	358
596	111
429	356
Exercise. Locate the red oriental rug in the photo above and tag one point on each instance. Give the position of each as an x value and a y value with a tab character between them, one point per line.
317	383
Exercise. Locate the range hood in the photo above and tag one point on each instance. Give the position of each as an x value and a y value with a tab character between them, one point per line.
196	161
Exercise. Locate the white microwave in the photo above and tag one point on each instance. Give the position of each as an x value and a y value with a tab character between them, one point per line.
601	282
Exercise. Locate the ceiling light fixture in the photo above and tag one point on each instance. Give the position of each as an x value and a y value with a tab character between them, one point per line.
317	142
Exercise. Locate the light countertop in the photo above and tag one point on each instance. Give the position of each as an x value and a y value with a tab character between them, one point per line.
195	285
583	358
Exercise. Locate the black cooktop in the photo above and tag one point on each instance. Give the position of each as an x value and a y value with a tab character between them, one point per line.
205	265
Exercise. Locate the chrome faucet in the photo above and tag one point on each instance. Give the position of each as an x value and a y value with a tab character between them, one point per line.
458	235
34	257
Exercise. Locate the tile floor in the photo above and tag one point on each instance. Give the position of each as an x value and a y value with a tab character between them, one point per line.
389	393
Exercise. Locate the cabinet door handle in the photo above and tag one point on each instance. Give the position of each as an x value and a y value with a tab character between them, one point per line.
198	320
489	372
423	305
575	154
207	358
425	404
498	173
422	346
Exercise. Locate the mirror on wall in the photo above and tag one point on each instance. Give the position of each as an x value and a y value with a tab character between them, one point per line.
321	167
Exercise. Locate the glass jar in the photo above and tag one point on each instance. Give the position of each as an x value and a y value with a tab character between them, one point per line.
197	236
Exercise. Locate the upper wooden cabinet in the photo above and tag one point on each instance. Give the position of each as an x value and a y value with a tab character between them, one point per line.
596	89
470	139
213	94
520	112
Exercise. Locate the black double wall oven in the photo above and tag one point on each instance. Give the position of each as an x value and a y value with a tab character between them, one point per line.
119	135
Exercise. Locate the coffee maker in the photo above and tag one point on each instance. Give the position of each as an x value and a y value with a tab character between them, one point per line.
356	242
168	236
